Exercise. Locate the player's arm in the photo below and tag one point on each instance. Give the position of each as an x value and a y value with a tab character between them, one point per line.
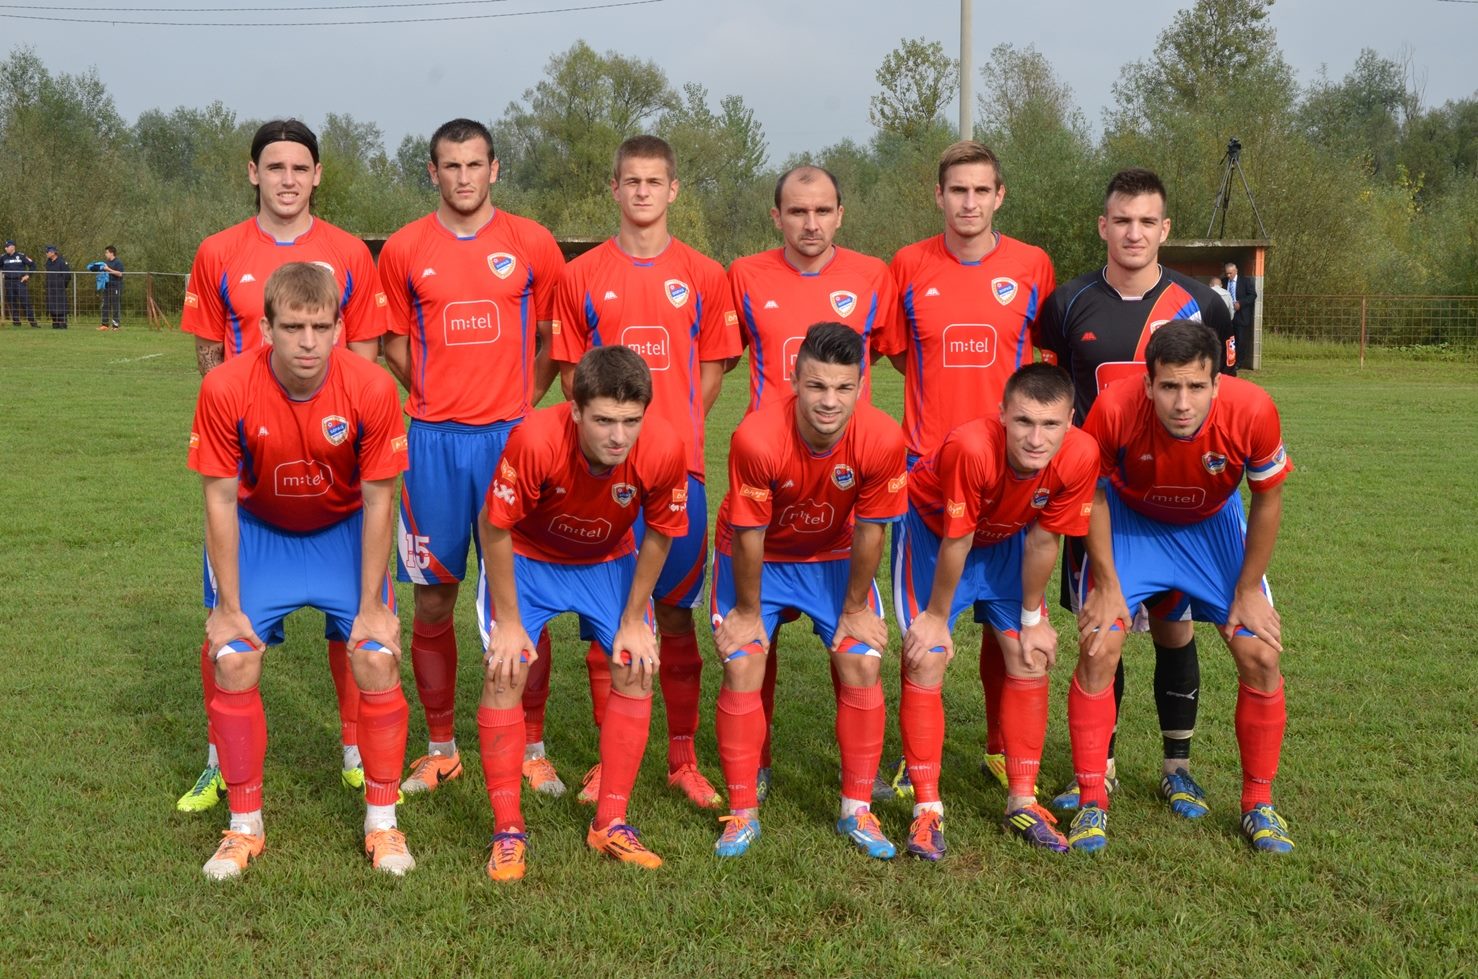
1104	605
1250	606
222	540
899	362
858	620
374	621
544	367
743	624
711	379
930	628
368	349
1038	558
209	354
509	642
636	644
398	357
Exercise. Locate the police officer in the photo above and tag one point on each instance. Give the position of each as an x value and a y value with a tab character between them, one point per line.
58	278
16	268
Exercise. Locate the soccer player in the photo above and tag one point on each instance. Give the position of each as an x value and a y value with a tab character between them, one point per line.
556	537
813	480
470	289
985	514
223	310
780	292
1096	327
970	297
1174	445
646	290
299	446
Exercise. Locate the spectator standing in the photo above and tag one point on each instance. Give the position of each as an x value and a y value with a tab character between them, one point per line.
57	279
112	289
16	268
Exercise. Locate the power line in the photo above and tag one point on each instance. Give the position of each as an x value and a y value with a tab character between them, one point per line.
326	23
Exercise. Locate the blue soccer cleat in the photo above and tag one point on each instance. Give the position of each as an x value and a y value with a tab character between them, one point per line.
1068	799
863	830
1187	800
1089	830
1266	830
1036	827
762	782
739	832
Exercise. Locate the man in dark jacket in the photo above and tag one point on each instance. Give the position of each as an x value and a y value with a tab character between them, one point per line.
16	268
58	282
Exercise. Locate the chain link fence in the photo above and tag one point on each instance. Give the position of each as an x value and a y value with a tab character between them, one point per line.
152	298
1446	325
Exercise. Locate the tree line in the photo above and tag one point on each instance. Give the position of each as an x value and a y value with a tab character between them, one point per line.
1361	186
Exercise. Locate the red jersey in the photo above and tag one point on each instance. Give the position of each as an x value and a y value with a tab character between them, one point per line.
223	299
674	310
966	485
807	502
966	328
777	303
299	462
471	308
558	511
1183	480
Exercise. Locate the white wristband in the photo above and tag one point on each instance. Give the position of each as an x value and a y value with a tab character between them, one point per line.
1030	616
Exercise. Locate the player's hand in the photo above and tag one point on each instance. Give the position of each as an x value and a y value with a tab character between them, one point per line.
863	625
223	626
1100	610
377	624
737	630
508	648
927	633
1039	645
635	648
1252	611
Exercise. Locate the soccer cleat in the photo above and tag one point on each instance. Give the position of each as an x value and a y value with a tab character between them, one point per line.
231	857
900	786
507	856
739	832
353	778
209	789
387	851
1266	830
691	783
622	842
1067	799
590	786
1186	798
429	771
993	766
1036	827
1089	830
926	836
762	780
863	830
542	776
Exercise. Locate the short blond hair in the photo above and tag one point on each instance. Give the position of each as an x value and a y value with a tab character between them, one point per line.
301	285
969	151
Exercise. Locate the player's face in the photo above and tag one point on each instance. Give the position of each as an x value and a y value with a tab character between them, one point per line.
826	396
969	197
463	172
1134	228
1034	431
1182	395
608	429
10	249
642	190
284	176
302	340
808	216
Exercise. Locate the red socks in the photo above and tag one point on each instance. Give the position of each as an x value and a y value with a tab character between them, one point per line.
623	741
383	717
921	723
241	732
434	660
740	725
767	696
1023	711
1090	722
536	691
346	690
859	728
682	685
598	666
1261	718
992	679
500	735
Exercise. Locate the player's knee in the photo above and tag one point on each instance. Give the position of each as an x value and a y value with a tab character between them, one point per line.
673	621
745	673
435	603
1096	672
628	683
857	670
375	670
1257	662
927	671
1172	633
238	671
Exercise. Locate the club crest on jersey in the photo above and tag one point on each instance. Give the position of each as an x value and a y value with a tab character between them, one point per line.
335	429
1215	463
1004	290
1040	498
677	292
843	476
501	264
842	303
623	493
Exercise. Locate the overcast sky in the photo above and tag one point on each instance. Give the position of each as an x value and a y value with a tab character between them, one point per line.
806	68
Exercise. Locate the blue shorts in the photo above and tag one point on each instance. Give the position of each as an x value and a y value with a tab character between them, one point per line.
281	572
451	467
595	592
816	588
991	579
1197	563
680	584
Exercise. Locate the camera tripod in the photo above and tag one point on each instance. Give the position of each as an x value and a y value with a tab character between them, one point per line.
1232	160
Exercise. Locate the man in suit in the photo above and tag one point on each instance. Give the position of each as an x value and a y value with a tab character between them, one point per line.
1244	299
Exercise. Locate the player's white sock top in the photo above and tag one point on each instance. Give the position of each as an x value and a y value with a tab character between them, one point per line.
850	807
351	757
922	807
249	823
532	751
1015	802
379	817
444	748
212	759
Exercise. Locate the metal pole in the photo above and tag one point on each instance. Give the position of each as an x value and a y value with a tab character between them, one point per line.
967	74
1364	305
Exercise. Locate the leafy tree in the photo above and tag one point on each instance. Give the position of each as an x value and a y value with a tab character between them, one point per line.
918	80
1365	115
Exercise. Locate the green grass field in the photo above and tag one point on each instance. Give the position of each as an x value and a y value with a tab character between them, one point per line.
99	634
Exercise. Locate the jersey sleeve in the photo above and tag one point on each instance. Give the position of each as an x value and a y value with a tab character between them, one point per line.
1068	511
892	342
1102	423
392	279
887	332
665	486
1268	464
571	334
718	333
1047	282
884	495
736	296
751	479
549	270
383	451
965	467
364	313
214	448
203	314
1047	330
514	490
